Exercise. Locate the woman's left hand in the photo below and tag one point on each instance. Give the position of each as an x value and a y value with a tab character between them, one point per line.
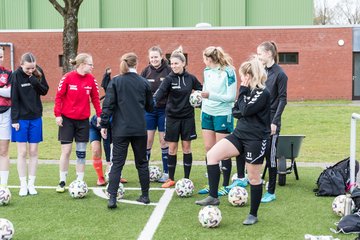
273	129
205	94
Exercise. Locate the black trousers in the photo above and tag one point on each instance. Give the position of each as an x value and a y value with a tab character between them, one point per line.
120	150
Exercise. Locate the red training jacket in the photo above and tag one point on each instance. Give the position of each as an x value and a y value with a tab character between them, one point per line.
73	96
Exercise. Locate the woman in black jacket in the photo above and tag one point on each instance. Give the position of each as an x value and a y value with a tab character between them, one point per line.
155	73
127	98
28	83
249	137
180	120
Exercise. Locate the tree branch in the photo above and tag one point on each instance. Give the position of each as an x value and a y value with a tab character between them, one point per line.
58	7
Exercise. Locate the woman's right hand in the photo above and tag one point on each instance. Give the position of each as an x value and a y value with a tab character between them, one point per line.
103	132
59	121
16	126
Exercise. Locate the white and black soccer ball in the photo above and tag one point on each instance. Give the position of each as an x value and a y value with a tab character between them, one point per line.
238	196
78	189
210	216
6	229
120	192
184	187
5	196
154	173
195	98
338	205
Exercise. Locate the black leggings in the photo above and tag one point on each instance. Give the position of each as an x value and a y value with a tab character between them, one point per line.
120	149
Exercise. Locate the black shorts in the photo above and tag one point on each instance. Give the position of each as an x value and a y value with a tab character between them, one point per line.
78	129
253	150
176	127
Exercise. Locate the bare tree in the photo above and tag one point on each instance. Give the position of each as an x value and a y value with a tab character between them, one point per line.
348	11
70	34
323	13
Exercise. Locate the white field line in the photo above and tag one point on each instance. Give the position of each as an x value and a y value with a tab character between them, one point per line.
100	193
156	216
91	188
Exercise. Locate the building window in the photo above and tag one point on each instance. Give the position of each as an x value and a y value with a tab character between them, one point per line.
289	58
61	60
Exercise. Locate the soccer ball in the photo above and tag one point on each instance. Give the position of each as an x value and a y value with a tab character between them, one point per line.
184	187
120	192
210	216
78	189
6	229
238	196
338	205
5	196
154	173
195	98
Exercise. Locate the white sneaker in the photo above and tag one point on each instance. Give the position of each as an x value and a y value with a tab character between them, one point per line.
32	190
23	191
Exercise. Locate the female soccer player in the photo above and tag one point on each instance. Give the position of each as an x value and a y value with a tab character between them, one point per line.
28	84
249	137
180	120
155	73
277	86
5	120
72	112
219	93
127	98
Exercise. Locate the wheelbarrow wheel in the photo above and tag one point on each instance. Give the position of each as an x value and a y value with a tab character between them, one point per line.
282	171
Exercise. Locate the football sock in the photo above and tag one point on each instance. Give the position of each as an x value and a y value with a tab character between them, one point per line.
172	166
4	176
97	164
148	154
256	192
213	178
32	180
164	158
240	166
23	182
80	176
226	166
63	176
187	164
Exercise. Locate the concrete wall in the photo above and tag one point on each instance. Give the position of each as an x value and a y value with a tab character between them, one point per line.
324	70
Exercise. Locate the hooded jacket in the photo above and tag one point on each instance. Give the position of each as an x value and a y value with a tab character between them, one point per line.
178	88
25	95
155	76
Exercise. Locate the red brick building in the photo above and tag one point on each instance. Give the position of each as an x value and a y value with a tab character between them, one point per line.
323	66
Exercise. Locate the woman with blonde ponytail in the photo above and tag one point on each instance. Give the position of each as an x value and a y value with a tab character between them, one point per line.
249	137
219	93
127	98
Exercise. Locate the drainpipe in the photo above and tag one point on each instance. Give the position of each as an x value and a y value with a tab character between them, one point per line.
11	53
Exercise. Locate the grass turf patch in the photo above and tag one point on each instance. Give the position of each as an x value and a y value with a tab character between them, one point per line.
51	215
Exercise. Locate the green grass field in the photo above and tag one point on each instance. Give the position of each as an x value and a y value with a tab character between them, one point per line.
295	213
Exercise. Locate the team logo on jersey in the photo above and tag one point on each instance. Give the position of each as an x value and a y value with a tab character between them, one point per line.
25	85
73	87
151	80
3	78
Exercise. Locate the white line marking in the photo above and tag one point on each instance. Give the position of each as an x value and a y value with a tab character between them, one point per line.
100	193
156	216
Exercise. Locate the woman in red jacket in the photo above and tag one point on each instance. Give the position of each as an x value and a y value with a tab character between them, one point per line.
72	112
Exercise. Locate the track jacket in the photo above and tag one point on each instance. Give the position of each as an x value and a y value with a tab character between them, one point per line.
127	98
178	88
74	94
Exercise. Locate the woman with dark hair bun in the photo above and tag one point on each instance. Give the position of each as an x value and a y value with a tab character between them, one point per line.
127	98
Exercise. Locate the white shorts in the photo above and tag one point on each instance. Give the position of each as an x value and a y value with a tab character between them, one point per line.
5	125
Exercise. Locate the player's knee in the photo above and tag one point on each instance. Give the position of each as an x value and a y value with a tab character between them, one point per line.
81	157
